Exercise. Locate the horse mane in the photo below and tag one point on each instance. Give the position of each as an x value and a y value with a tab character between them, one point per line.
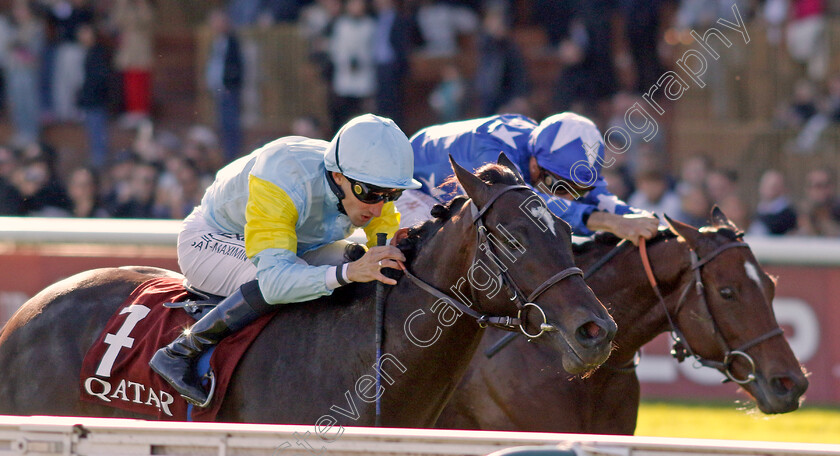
491	174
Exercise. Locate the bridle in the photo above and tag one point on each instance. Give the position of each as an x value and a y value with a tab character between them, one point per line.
681	348
524	305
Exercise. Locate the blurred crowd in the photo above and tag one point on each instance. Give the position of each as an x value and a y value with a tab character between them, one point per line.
90	62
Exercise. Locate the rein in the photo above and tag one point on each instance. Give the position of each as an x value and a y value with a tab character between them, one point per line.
681	349
508	338
503	322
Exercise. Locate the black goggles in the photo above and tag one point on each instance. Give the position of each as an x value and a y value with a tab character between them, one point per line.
371	194
563	185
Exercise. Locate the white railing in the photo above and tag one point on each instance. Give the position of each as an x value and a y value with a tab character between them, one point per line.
101	436
788	250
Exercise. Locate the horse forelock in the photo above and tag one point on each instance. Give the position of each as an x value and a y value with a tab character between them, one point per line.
490	173
419	234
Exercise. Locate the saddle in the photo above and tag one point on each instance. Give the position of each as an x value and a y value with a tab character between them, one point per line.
115	371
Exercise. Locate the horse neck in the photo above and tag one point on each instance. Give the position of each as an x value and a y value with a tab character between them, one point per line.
441	262
633	303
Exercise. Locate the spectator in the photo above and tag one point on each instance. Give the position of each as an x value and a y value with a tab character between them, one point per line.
720	183
618	183
67	16
775	213
11	201
653	195
447	98
224	80
636	147
641	27
83	190
391	46
694	206
137	199
115	183
501	75
282	11
801	108
308	126
316	23
93	96
134	20
820	209
441	23
693	173
351	53
202	147
22	68
43	194
585	48
245	13
187	194
807	42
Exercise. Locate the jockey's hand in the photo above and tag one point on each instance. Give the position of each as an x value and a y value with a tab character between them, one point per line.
368	267
635	226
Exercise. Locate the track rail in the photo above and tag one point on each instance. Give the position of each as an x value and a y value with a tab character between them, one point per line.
101	436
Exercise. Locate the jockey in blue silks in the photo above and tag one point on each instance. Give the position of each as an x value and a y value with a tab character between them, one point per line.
561	158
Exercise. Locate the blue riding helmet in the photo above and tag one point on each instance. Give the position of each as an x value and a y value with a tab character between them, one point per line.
565	145
373	150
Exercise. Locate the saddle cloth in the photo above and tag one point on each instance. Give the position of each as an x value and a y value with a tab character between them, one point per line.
116	373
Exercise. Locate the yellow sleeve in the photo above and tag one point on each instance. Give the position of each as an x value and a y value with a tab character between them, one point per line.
387	222
270	218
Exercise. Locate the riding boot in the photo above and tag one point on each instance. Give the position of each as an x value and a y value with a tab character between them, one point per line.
176	362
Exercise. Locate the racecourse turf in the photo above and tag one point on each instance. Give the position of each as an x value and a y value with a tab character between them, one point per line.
731	421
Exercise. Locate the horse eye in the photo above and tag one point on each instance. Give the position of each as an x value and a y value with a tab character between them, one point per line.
727	293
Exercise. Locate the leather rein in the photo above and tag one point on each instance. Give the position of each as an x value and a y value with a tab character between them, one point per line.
681	348
523	305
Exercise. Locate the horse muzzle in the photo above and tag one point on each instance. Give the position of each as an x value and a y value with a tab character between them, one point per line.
586	346
780	393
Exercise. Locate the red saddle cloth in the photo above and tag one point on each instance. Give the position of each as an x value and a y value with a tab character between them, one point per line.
116	372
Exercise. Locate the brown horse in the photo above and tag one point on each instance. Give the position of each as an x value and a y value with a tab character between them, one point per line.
728	323
310	359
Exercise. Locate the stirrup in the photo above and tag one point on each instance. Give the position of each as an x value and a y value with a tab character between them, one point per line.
209	375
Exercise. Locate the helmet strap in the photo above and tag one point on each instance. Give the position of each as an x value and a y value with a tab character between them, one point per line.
336	189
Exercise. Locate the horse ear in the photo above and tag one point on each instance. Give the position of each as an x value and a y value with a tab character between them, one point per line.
475	187
685	231
718	218
507	163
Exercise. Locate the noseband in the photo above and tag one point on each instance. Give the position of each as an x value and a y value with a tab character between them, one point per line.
681	349
484	245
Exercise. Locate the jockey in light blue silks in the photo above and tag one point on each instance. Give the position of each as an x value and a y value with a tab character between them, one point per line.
561	158
271	228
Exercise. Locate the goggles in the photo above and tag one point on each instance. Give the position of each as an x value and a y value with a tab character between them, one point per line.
562	185
371	194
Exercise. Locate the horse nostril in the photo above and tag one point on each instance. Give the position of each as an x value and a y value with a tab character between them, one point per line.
590	333
782	385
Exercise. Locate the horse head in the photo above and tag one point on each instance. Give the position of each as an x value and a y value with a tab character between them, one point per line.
725	313
520	269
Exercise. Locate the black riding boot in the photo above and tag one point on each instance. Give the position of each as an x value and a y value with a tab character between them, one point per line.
176	361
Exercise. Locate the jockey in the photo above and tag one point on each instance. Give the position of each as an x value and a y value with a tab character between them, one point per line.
271	229
561	157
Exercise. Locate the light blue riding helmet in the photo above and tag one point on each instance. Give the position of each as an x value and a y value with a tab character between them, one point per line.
373	150
558	144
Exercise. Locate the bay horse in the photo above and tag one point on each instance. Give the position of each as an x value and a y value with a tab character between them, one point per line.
717	298
309	358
